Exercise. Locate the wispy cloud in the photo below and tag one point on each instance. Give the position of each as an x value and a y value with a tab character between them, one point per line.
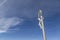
6	23
3	2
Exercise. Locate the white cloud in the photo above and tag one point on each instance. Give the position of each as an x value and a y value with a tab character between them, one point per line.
6	23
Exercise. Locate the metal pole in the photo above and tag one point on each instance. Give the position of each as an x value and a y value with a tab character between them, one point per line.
41	24
44	35
43	31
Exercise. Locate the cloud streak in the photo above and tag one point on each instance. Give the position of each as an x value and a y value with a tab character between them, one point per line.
6	23
4	1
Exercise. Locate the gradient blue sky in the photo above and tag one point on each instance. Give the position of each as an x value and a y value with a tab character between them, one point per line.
18	19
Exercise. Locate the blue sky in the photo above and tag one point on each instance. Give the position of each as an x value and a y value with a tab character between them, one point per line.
18	19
